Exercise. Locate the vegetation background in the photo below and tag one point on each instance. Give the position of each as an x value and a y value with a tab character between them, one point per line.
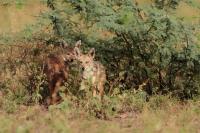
150	49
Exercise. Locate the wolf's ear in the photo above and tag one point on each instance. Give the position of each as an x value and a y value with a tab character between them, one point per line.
77	52
78	44
92	52
64	44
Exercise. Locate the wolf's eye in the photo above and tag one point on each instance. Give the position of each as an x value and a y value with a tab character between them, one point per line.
87	62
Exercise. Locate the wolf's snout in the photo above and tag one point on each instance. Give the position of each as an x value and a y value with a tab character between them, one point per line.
83	68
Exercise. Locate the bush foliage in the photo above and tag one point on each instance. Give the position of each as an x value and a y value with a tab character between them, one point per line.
142	47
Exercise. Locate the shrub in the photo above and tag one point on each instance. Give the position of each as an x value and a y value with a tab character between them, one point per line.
143	45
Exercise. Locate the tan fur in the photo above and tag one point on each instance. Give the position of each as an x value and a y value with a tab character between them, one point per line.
93	73
56	68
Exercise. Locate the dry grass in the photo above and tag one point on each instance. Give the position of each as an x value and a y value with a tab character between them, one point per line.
171	116
14	19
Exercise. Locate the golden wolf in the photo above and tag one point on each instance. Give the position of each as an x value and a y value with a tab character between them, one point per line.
56	68
94	75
